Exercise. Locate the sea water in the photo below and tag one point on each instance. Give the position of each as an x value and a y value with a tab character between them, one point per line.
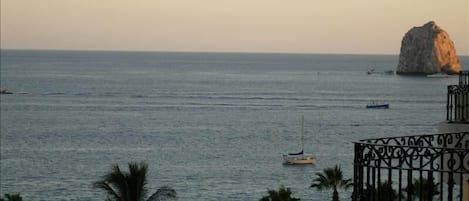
213	126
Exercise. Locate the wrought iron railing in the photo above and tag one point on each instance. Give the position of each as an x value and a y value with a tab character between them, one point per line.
463	77
457	107
425	167
457	104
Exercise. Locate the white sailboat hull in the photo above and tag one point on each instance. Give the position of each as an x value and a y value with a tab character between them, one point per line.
298	159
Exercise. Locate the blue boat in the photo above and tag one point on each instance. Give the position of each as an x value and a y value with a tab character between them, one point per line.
377	106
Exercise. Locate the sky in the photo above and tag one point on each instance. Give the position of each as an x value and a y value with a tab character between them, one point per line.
284	26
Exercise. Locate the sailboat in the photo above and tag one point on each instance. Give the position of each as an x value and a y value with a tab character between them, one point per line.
299	158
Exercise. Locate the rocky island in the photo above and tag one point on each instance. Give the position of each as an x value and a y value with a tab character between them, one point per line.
426	50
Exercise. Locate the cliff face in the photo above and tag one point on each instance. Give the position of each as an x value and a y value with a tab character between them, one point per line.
427	50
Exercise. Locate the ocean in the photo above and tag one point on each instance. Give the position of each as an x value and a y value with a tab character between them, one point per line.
213	126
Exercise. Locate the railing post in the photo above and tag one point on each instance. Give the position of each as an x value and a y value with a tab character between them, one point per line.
358	173
410	188
456	107
355	173
461	106
450	176
390	198
460	77
447	105
430	179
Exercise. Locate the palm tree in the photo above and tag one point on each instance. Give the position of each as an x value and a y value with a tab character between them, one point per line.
331	179
130	186
422	188
385	192
12	197
283	194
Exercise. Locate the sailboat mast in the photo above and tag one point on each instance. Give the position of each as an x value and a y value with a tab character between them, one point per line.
302	131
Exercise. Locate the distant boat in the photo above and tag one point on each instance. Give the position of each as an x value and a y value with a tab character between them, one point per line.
5	91
299	158
389	72
438	75
377	105
370	71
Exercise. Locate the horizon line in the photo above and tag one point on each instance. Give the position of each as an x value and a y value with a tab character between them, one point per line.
211	52
194	51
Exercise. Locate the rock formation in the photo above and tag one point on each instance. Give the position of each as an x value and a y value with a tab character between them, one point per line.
427	50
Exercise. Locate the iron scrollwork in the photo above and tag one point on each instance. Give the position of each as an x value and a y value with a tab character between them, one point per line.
435	156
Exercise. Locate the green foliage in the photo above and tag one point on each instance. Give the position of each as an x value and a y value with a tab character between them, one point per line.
163	193
421	189
283	194
131	185
384	192
331	178
12	197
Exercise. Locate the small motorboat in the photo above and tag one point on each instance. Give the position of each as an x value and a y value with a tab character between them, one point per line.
438	75
5	91
389	72
378	106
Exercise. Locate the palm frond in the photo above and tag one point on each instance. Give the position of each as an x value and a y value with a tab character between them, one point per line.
14	197
109	190
131	185
424	188
163	193
283	194
137	180
117	180
346	184
321	182
331	178
265	198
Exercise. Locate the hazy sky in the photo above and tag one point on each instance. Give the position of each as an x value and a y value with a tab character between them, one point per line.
303	26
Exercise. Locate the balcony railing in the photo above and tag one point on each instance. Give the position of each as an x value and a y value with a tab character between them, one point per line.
396	168
463	77
457	107
457	104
